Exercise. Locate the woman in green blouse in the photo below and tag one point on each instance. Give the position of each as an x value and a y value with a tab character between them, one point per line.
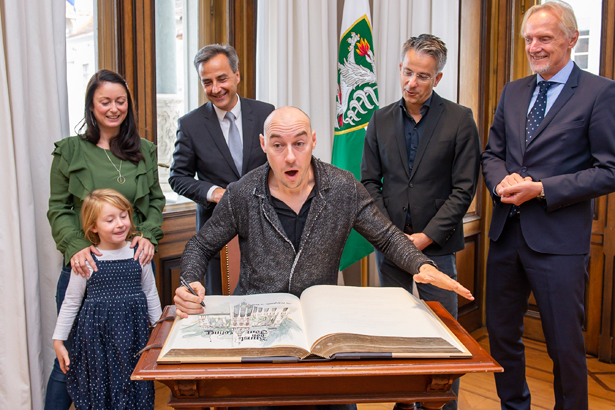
107	154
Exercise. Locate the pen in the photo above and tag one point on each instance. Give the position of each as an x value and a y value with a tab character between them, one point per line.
187	286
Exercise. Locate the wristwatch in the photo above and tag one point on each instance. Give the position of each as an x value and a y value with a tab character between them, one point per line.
541	195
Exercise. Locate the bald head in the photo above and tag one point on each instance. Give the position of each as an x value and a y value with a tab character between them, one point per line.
288	143
287	117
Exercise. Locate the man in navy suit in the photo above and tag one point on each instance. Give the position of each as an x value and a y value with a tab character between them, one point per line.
551	150
218	142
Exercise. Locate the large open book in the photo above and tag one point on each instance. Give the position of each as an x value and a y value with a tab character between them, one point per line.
326	322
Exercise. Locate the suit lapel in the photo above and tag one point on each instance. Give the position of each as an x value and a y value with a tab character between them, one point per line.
433	116
526	99
212	124
567	92
248	121
400	136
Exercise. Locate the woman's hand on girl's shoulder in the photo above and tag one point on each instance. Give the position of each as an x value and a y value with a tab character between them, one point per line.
145	251
78	261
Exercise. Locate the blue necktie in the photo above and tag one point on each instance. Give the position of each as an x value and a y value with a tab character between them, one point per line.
537	113
534	118
234	142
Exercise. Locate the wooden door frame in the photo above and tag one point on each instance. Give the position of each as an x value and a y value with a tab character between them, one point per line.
606	351
473	63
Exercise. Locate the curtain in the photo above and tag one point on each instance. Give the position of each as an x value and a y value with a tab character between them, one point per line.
397	20
295	61
33	114
297	45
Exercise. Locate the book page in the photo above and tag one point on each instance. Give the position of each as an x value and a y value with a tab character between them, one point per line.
241	322
380	312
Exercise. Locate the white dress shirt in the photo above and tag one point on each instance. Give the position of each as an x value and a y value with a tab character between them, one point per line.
225	125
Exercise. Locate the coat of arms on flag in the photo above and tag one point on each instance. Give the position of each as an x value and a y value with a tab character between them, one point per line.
357	94
356	100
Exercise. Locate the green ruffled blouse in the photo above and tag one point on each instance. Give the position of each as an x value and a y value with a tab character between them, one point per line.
78	168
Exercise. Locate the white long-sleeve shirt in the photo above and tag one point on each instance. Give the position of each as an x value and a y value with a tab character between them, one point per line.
76	291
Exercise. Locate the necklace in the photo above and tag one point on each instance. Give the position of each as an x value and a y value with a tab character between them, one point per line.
120	179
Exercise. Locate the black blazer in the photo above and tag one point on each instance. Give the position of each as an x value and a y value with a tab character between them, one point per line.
444	175
572	153
201	150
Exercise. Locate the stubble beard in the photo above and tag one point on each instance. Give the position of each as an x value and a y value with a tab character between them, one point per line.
538	69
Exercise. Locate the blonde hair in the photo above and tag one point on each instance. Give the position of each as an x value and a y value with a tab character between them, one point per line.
561	10
92	205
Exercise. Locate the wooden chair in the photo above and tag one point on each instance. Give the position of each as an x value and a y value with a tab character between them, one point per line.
230	266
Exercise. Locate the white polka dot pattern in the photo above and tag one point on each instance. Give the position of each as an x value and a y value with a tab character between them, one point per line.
111	328
537	113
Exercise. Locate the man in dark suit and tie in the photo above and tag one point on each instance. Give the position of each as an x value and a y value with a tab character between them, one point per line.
551	150
420	164
218	142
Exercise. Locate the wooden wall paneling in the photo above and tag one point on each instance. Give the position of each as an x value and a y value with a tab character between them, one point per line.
495	37
126	50
139	62
169	272
594	289
214	15
242	36
606	351
107	34
469	274
213	28
473	58
520	67
178	227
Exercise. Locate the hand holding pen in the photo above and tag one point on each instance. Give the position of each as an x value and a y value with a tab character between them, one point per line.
183	305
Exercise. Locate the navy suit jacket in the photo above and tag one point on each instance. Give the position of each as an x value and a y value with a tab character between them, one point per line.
201	150
444	176
572	153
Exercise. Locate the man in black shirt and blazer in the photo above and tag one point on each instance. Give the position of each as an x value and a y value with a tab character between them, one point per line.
205	138
420	164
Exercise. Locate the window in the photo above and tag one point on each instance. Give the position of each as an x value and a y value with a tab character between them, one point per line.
589	20
580	54
81	38
177	84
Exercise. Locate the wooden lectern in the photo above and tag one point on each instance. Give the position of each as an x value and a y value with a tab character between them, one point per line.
199	386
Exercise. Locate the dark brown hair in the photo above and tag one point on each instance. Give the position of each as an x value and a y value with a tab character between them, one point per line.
126	145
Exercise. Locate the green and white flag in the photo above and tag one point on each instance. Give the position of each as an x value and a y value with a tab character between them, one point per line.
357	99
